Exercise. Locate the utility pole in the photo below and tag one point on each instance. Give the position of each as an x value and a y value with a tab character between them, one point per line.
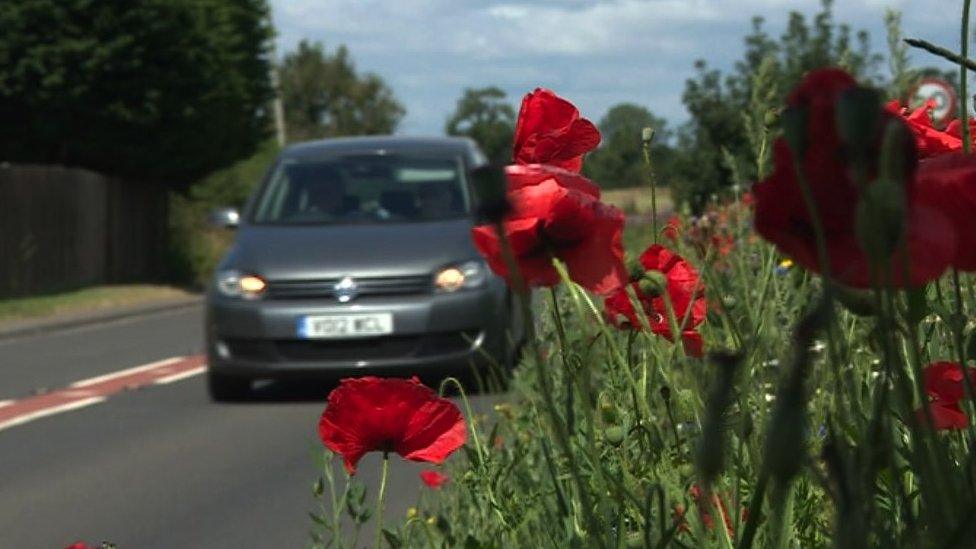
278	106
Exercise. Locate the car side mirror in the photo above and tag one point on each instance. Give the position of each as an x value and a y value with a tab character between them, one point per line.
225	218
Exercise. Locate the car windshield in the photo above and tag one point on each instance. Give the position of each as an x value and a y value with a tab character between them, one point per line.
363	189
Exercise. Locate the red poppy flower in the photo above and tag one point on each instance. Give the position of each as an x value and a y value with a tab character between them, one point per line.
672	228
954	129
556	214
948	183
549	130
370	414
684	291
929	140
77	545
433	479
781	214
945	386
697	495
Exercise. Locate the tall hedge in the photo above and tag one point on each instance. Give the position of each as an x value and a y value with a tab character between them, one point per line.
161	90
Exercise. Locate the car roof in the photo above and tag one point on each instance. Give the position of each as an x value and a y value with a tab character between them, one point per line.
374	144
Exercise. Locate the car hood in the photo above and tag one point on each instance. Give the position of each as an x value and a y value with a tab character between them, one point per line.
279	252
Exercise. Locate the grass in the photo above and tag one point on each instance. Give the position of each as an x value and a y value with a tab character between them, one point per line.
93	299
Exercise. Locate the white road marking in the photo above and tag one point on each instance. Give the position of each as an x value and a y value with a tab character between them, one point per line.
6	403
50	411
181	375
127	371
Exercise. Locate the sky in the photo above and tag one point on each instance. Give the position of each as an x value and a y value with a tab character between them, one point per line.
597	53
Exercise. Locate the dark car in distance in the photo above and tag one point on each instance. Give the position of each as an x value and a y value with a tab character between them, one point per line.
354	256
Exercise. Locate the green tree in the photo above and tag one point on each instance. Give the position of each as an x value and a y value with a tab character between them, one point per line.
718	145
324	96
619	162
163	90
484	114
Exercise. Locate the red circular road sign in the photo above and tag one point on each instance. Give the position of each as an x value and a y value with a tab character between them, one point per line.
944	96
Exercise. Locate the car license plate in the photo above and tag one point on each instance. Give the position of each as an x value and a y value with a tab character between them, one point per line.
345	326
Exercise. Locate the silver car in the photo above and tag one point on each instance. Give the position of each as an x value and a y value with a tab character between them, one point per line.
354	256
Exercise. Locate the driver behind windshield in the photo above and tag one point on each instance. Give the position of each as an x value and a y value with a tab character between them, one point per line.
436	200
324	192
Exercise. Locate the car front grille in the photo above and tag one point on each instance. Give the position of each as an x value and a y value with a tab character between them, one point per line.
365	286
349	350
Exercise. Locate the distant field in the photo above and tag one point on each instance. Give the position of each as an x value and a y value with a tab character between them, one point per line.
637	200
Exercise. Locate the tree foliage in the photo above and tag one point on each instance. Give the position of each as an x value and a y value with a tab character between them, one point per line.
619	162
717	138
485	115
324	96
163	90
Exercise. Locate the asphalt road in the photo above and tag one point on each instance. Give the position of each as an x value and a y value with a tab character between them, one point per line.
162	466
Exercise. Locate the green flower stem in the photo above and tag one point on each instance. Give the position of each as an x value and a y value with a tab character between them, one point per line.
963	69
545	384
941	52
653	183
379	500
563	352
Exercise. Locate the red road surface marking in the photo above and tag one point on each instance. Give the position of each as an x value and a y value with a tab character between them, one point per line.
97	389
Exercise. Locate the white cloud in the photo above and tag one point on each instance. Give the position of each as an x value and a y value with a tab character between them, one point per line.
596	52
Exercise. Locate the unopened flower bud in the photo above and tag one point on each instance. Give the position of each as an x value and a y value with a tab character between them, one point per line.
794	123
653	283
614	435
490	185
634	267
771	117
858	118
412	512
880	221
647	135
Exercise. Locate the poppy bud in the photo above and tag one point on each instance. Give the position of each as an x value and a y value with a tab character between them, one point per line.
858	118
647	135
794	123
746	426
771	117
880	220
608	411
666	393
614	435
490	186
653	283
635	539
634	267
898	153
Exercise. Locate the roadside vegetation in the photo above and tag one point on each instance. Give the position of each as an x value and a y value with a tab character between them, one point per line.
87	300
786	367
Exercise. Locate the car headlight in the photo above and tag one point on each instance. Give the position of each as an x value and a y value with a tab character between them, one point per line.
470	274
237	284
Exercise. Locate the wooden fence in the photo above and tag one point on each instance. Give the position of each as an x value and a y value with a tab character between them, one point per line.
65	227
